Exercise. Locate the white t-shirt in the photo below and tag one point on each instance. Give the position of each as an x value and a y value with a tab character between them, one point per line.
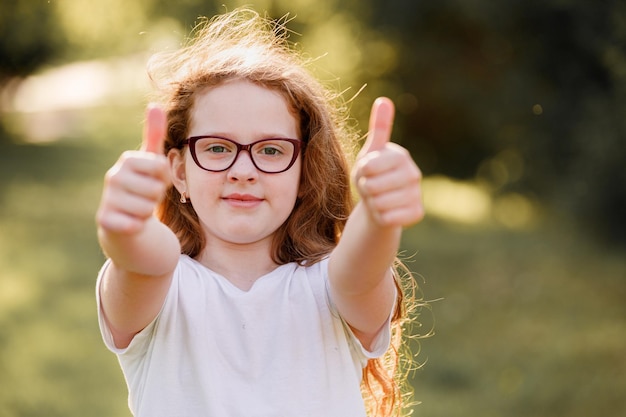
277	350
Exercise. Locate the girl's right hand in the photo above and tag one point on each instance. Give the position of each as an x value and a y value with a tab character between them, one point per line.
137	182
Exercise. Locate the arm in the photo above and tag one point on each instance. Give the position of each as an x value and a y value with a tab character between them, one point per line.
388	181
143	251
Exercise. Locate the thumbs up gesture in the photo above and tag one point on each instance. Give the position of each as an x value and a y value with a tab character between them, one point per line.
385	175
137	182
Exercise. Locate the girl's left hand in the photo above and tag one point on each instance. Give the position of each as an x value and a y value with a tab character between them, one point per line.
385	175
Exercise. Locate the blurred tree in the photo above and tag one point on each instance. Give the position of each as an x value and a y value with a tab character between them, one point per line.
540	82
525	95
186	12
29	37
579	162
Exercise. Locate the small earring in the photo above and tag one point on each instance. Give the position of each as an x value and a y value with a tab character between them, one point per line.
183	197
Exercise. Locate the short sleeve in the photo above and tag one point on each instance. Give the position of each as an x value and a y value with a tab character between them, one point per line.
141	339
382	340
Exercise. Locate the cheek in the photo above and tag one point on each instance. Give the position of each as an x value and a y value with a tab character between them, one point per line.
293	197
295	187
286	193
203	184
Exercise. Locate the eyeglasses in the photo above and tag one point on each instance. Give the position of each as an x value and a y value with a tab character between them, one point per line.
216	154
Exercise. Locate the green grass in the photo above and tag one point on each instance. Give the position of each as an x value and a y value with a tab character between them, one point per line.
52	360
532	323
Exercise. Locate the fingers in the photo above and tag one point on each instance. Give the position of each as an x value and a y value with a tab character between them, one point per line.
132	189
123	212
380	126
154	130
394	197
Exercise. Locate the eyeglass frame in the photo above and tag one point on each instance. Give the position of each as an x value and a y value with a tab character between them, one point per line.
298	146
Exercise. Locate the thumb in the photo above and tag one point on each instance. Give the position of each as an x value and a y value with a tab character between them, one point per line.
380	125
154	130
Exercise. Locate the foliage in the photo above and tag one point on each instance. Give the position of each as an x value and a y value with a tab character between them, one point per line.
28	38
526	96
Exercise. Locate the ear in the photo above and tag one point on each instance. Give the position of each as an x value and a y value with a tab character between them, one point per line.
176	158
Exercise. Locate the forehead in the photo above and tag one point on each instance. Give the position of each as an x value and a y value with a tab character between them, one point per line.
242	109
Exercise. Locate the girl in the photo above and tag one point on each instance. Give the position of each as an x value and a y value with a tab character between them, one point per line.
241	281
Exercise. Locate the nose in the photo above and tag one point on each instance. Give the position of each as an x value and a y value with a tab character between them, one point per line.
243	168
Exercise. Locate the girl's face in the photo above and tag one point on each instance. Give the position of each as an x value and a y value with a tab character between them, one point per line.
241	205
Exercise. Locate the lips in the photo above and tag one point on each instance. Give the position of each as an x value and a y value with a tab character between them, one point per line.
242	200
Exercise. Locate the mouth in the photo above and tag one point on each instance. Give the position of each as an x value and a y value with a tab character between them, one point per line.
242	200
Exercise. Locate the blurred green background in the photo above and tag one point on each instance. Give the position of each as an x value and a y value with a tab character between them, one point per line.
514	110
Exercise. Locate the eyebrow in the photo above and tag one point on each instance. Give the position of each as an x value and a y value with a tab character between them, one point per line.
251	139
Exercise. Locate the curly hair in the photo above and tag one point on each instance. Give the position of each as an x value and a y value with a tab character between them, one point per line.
242	45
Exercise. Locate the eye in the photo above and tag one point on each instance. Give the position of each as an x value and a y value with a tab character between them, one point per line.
214	146
270	150
217	149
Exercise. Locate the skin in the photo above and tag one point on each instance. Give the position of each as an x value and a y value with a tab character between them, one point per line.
144	252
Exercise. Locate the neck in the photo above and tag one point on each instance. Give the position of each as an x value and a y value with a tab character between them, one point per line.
242	265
